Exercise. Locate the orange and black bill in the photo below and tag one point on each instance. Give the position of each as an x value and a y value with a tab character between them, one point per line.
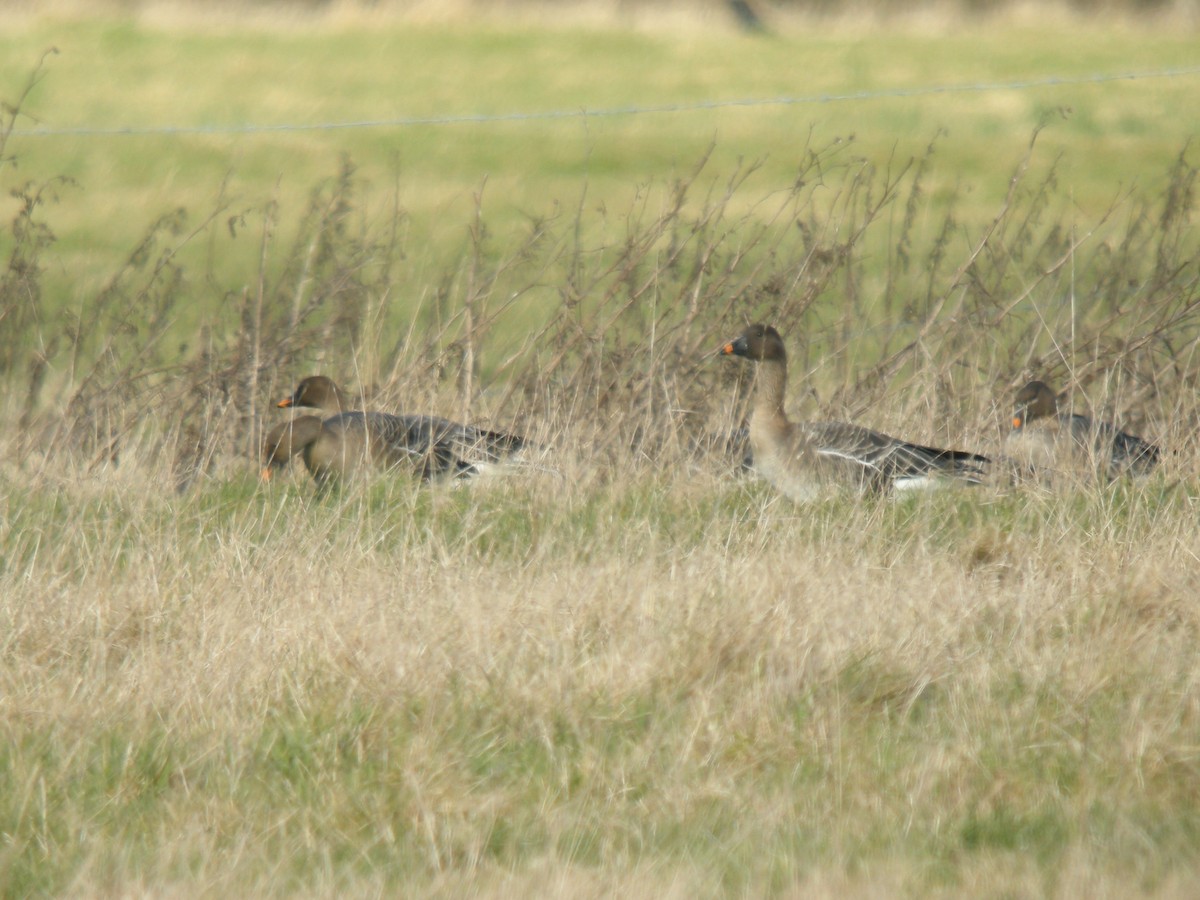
736	347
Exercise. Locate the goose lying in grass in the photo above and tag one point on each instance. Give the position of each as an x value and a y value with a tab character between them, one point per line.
803	459
346	440
1044	438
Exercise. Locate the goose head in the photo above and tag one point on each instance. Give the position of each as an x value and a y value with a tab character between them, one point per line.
758	342
317	392
287	439
1034	401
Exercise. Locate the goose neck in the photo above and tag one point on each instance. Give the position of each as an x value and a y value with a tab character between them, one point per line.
771	386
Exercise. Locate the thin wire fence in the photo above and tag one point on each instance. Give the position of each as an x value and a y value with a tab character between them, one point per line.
608	112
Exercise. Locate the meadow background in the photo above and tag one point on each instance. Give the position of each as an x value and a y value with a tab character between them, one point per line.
632	670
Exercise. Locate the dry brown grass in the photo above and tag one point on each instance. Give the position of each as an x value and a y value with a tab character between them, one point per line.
679	684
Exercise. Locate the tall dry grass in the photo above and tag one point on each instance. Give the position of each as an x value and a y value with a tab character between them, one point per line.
640	672
600	332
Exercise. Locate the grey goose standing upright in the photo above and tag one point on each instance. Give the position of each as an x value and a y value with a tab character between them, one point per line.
1044	438
350	440
803	459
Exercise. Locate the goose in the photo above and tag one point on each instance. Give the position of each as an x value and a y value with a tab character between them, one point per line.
349	440
286	440
1042	437
803	459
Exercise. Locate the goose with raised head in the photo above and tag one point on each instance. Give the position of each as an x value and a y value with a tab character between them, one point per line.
350	440
804	459
320	392
1046	438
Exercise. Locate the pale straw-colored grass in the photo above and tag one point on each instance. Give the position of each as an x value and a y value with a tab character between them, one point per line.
668	685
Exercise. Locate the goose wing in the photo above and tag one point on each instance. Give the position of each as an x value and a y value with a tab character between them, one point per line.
1118	450
888	457
436	445
1131	452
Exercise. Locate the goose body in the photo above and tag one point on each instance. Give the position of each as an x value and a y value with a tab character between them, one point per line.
1045	438
349	441
804	459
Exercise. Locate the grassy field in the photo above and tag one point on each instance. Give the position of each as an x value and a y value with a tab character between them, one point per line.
677	686
165	73
634	670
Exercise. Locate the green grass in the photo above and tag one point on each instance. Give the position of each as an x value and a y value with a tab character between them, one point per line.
124	74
